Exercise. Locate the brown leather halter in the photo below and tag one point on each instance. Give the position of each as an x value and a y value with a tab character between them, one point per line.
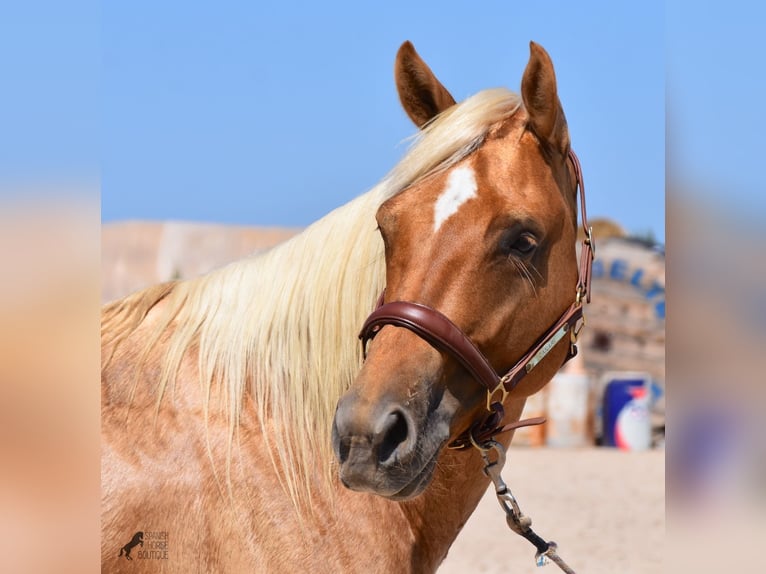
444	335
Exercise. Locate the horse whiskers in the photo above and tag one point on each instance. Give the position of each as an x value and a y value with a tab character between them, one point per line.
524	270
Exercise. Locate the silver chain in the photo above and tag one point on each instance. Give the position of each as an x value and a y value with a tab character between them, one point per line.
520	524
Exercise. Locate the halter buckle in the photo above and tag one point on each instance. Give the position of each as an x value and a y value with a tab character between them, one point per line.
500	387
580	295
574	334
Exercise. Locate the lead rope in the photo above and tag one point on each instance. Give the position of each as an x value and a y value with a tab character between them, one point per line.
520	524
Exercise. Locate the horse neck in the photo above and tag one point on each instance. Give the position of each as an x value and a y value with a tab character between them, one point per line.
437	516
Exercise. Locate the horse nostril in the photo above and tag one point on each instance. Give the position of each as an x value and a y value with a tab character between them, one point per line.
341	445
343	448
394	432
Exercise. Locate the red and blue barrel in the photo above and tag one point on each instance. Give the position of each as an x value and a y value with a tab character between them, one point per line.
626	416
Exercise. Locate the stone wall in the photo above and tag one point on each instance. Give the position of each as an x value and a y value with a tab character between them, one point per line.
137	254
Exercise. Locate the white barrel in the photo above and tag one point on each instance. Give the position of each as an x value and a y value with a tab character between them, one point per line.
568	410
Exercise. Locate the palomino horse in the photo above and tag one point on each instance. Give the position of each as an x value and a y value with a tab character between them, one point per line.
225	396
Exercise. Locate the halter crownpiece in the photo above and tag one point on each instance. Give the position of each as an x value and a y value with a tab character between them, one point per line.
441	333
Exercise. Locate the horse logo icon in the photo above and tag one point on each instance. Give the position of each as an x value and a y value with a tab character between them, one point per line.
138	538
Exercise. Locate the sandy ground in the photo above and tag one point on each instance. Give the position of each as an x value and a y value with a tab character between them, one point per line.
604	508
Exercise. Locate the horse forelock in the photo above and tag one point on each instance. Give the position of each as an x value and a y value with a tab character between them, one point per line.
451	136
281	326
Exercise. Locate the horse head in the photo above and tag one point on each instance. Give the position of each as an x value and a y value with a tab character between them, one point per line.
487	240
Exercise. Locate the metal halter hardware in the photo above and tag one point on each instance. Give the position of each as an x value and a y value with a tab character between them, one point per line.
440	332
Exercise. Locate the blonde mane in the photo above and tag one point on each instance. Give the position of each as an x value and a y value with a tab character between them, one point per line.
281	327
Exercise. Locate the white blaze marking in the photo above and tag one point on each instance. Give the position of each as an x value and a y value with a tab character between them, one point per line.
461	186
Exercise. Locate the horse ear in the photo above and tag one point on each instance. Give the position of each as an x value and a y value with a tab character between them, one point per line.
541	100
421	94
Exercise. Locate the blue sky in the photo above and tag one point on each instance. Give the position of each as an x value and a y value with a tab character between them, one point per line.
274	114
237	113
49	93
716	117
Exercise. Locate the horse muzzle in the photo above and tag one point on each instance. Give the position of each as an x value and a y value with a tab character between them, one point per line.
381	449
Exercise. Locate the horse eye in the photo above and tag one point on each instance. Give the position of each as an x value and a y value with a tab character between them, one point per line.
524	244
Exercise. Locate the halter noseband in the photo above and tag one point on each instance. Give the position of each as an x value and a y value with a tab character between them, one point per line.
441	333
